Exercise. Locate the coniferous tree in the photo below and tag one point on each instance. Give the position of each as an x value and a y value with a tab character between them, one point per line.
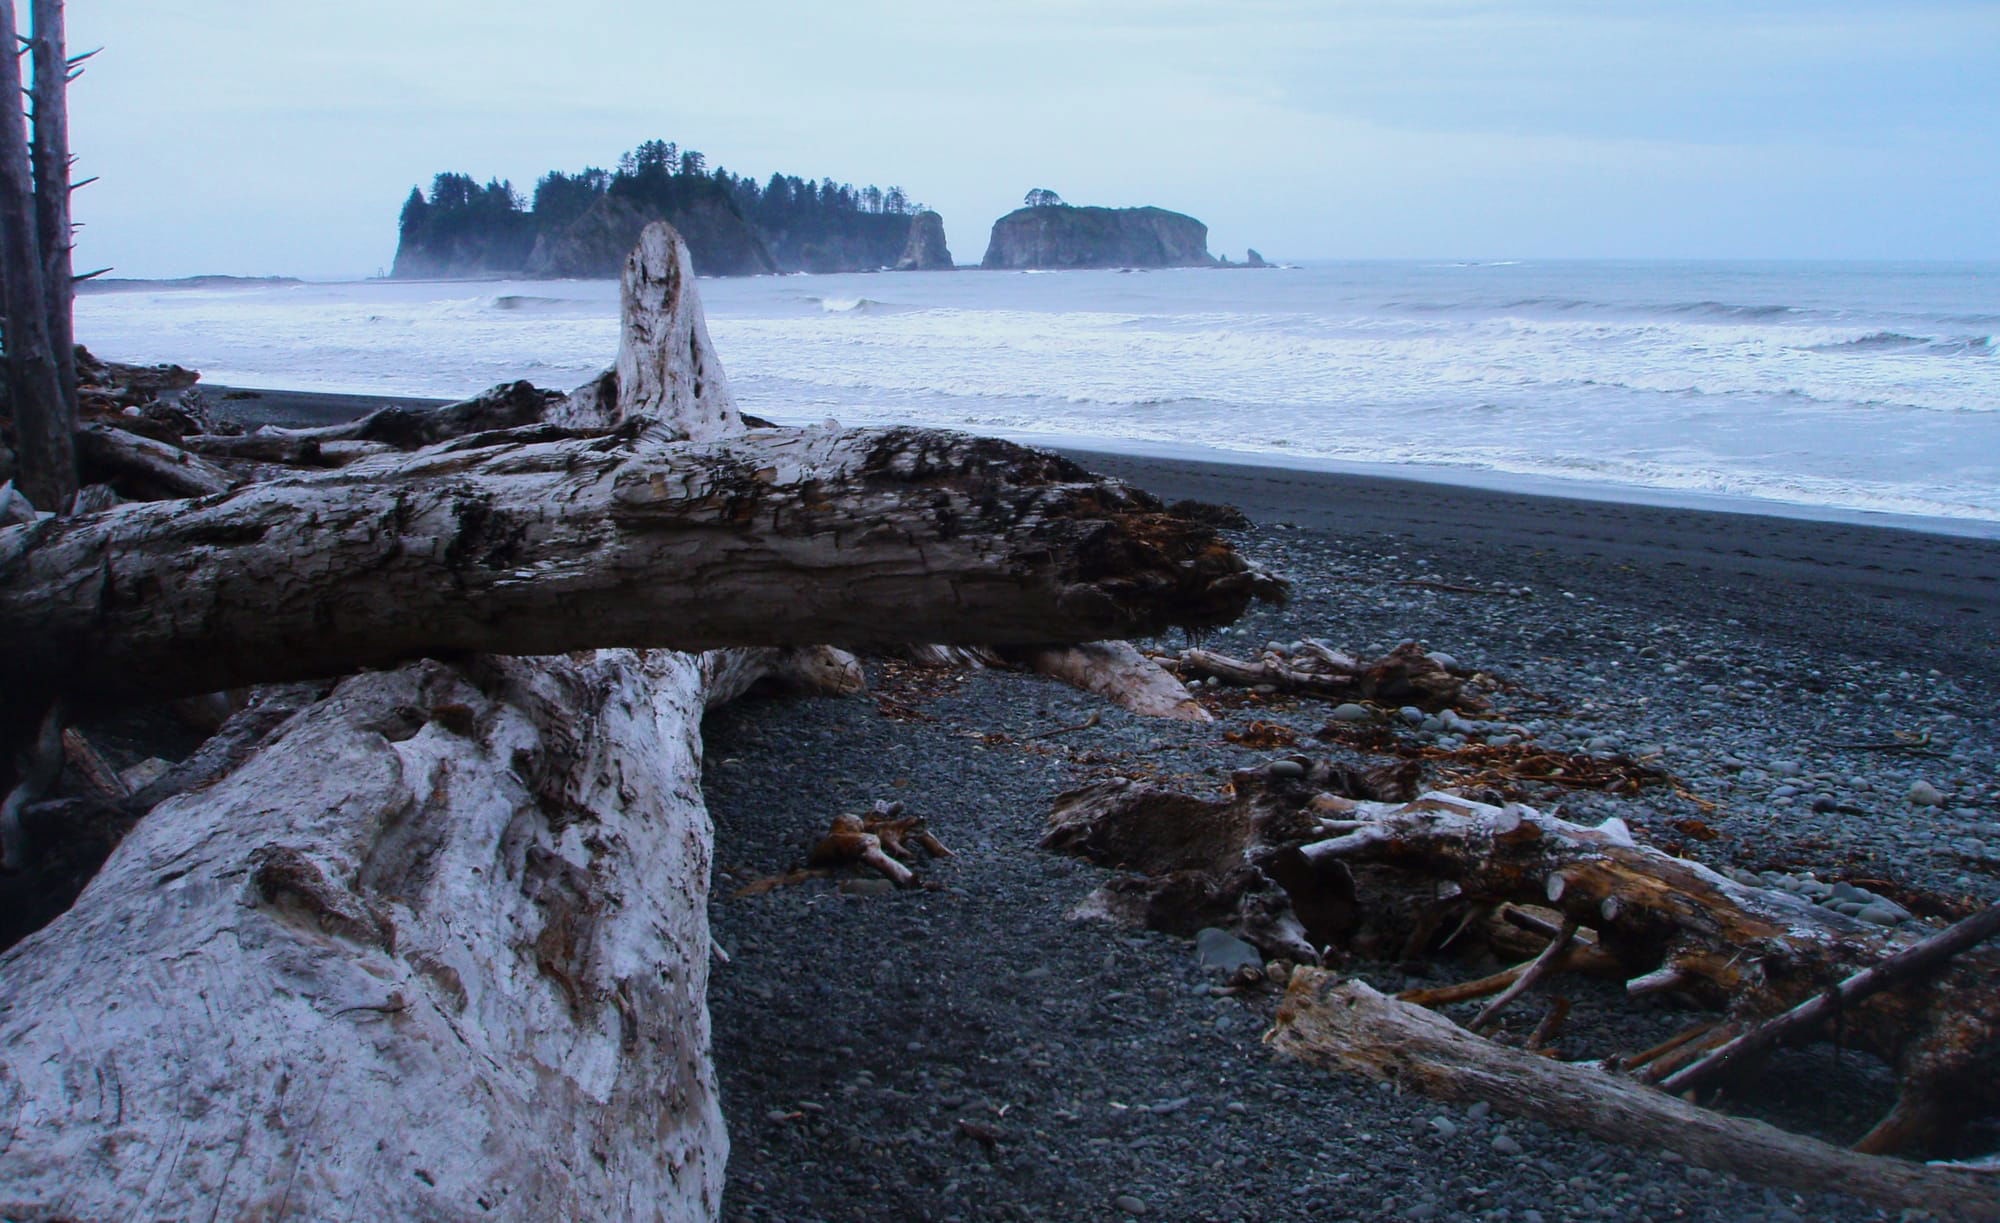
415	212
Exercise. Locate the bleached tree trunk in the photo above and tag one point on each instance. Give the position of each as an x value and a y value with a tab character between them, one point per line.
440	951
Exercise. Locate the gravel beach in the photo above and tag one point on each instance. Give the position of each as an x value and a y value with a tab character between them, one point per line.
965	1051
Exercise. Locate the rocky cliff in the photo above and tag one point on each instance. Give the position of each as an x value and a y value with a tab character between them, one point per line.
490	249
1063	236
925	250
594	245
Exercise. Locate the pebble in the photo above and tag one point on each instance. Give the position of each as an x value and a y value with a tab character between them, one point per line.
1222	952
1290	769
866	887
1411	715
1351	712
1446	1128
1880	914
1503	1145
1924	794
1129	1204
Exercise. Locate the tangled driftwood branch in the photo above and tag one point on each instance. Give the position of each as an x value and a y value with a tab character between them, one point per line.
1345	1025
1296	863
1407	675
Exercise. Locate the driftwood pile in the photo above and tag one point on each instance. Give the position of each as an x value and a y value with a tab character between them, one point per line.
425	935
1315	863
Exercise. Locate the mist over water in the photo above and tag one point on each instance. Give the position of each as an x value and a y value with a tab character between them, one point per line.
1851	387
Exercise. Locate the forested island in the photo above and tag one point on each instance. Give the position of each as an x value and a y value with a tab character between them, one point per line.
584	224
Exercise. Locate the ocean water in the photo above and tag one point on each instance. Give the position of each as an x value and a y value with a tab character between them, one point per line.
1829	388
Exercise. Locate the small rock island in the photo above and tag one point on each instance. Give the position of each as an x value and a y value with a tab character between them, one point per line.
1047	233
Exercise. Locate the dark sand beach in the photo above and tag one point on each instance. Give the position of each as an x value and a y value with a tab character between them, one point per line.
968	1052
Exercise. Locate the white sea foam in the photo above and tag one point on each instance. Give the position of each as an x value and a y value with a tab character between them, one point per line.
1854	387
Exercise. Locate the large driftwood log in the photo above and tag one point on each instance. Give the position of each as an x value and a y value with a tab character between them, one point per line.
511	405
1345	1025
454	969
536	546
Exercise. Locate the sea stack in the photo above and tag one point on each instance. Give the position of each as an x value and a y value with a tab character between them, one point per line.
926	251
1058	235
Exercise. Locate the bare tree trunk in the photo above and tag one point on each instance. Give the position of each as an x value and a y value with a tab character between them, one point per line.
43	421
51	162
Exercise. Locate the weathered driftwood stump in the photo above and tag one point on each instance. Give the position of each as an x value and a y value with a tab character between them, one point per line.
438	946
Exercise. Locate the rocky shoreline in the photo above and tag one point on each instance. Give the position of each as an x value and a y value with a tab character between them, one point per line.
1823	694
967	1052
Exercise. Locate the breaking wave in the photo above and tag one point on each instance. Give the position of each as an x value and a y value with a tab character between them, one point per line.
1896	341
524	301
856	305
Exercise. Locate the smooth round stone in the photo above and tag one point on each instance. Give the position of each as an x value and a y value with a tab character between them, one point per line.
1222	952
1446	661
1924	794
1503	1145
1351	712
1786	768
1880	914
1412	715
1290	769
1129	1204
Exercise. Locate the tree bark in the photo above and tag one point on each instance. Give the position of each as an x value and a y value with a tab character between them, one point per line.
1345	1025
43	421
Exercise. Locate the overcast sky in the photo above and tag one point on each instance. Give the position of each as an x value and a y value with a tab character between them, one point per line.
281	138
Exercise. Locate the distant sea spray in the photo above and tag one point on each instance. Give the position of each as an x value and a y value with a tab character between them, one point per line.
1845	386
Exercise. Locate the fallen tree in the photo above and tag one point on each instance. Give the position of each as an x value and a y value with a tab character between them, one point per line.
536	544
438	946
